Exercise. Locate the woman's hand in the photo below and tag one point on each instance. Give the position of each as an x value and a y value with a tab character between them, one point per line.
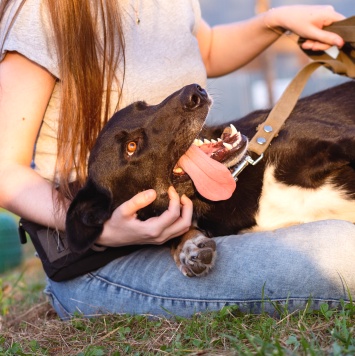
123	228
307	22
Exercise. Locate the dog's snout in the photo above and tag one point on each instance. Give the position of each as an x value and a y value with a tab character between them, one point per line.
194	96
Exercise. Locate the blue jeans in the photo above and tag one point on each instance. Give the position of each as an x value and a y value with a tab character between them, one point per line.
311	263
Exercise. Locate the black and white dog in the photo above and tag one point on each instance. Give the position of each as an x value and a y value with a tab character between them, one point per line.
307	174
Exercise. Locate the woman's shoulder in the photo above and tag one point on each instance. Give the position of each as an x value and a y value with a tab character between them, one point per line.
26	28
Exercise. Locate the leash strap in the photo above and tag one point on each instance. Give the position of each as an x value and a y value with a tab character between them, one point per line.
344	64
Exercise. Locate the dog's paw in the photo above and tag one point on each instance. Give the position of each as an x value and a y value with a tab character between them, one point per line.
197	256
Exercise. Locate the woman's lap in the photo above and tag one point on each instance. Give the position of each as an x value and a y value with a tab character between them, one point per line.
305	263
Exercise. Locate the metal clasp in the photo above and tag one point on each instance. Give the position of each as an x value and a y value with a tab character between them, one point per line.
243	163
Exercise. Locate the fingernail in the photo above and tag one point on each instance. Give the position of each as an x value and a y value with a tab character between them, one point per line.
338	42
149	194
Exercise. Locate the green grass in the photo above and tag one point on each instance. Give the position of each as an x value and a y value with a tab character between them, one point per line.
29	326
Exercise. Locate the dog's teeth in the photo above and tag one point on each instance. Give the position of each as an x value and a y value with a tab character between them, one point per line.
219	139
206	141
213	141
198	142
228	146
237	142
178	170
234	130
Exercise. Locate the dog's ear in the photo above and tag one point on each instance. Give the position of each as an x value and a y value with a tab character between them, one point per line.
86	216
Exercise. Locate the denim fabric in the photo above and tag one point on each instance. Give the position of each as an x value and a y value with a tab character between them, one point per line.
292	266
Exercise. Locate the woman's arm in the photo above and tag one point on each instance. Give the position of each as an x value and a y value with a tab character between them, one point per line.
225	48
25	89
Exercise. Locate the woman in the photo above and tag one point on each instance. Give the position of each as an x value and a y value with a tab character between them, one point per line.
66	66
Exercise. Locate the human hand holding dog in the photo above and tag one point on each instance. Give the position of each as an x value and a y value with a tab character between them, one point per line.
307	22
123	228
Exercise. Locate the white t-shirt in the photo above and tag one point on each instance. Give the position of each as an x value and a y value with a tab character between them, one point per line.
162	55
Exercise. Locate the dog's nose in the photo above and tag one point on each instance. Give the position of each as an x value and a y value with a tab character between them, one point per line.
194	96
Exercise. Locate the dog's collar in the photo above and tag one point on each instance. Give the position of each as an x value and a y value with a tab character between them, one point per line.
343	63
243	163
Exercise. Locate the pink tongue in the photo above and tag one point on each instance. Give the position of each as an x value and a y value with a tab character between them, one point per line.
211	178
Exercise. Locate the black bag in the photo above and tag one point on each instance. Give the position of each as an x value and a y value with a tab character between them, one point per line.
58	261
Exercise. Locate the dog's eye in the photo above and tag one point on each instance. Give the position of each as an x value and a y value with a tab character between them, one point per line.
131	147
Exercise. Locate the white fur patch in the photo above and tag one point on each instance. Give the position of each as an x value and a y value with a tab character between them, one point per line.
281	205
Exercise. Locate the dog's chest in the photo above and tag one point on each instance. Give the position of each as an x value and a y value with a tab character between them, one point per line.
281	205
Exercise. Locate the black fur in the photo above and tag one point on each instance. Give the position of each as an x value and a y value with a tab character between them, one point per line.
317	144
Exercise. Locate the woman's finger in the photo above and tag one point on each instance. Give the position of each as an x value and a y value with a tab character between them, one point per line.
139	201
187	208
173	222
171	214
315	45
183	223
323	40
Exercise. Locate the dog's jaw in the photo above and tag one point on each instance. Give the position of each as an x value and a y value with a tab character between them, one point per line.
206	163
228	149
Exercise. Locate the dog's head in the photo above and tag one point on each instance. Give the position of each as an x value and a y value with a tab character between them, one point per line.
143	147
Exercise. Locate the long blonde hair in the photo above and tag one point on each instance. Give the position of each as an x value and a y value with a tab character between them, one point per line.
90	43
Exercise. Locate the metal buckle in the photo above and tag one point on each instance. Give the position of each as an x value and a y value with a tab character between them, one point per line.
243	163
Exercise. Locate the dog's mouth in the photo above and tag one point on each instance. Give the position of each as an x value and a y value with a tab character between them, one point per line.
206	162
